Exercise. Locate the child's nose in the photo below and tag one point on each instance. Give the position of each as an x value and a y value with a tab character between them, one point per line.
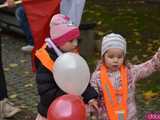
115	59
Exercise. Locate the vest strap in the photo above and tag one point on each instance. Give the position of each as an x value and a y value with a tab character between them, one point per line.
115	110
44	57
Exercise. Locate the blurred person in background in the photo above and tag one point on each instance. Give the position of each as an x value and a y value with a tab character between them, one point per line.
7	109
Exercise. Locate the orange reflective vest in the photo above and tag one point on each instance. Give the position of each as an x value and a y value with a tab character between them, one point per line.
44	58
115	110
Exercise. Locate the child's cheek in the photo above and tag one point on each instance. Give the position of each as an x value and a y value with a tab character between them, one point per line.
158	54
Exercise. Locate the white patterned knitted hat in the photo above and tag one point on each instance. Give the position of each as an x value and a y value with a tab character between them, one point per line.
113	41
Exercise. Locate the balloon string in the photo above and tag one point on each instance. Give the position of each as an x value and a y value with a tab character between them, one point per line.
52	45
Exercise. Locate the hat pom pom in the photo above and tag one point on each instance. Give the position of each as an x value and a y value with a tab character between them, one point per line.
59	19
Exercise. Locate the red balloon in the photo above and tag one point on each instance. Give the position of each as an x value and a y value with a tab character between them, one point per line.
67	107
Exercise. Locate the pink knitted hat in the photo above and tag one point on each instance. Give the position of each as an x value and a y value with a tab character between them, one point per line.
62	30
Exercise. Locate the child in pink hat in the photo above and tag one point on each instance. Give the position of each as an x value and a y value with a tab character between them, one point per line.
63	38
62	30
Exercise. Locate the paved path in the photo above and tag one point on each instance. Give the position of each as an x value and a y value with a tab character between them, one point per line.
20	79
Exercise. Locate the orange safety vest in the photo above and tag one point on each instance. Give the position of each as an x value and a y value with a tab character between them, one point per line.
115	110
44	57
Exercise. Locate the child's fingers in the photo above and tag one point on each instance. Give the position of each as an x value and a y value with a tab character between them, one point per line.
96	107
94	104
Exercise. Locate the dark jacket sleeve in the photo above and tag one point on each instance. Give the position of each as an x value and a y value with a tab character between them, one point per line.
47	88
89	93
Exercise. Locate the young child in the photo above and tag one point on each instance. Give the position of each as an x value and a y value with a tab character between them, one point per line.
64	36
115	81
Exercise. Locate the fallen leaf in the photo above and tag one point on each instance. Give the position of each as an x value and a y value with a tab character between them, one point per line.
100	33
13	96
26	72
23	61
6	69
135	58
12	65
98	14
150	94
144	55
149	49
99	22
138	42
28	85
137	33
23	106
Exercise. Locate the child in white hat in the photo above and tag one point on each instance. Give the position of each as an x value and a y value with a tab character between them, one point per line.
115	82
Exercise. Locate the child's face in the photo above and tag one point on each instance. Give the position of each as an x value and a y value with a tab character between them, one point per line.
114	58
69	46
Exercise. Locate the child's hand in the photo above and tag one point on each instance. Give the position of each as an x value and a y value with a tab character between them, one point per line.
94	104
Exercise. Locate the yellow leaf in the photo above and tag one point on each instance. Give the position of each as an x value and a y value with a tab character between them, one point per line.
99	22
138	42
144	55
135	58
91	11
149	49
137	33
150	44
28	85
6	69
22	61
129	10
26	72
12	65
149	94
135	30
13	96
100	33
23	106
98	14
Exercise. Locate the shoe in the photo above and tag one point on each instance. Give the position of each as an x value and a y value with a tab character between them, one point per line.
7	109
27	48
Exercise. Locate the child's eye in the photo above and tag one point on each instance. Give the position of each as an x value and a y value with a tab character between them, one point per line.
110	56
119	56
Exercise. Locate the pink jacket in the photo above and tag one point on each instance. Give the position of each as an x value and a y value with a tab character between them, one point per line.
135	73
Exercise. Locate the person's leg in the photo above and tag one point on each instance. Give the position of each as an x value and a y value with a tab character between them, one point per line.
22	19
7	109
3	88
73	9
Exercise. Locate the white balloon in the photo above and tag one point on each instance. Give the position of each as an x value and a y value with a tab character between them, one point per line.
71	73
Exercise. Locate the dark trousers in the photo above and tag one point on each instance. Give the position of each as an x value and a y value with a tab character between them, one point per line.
23	21
3	87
